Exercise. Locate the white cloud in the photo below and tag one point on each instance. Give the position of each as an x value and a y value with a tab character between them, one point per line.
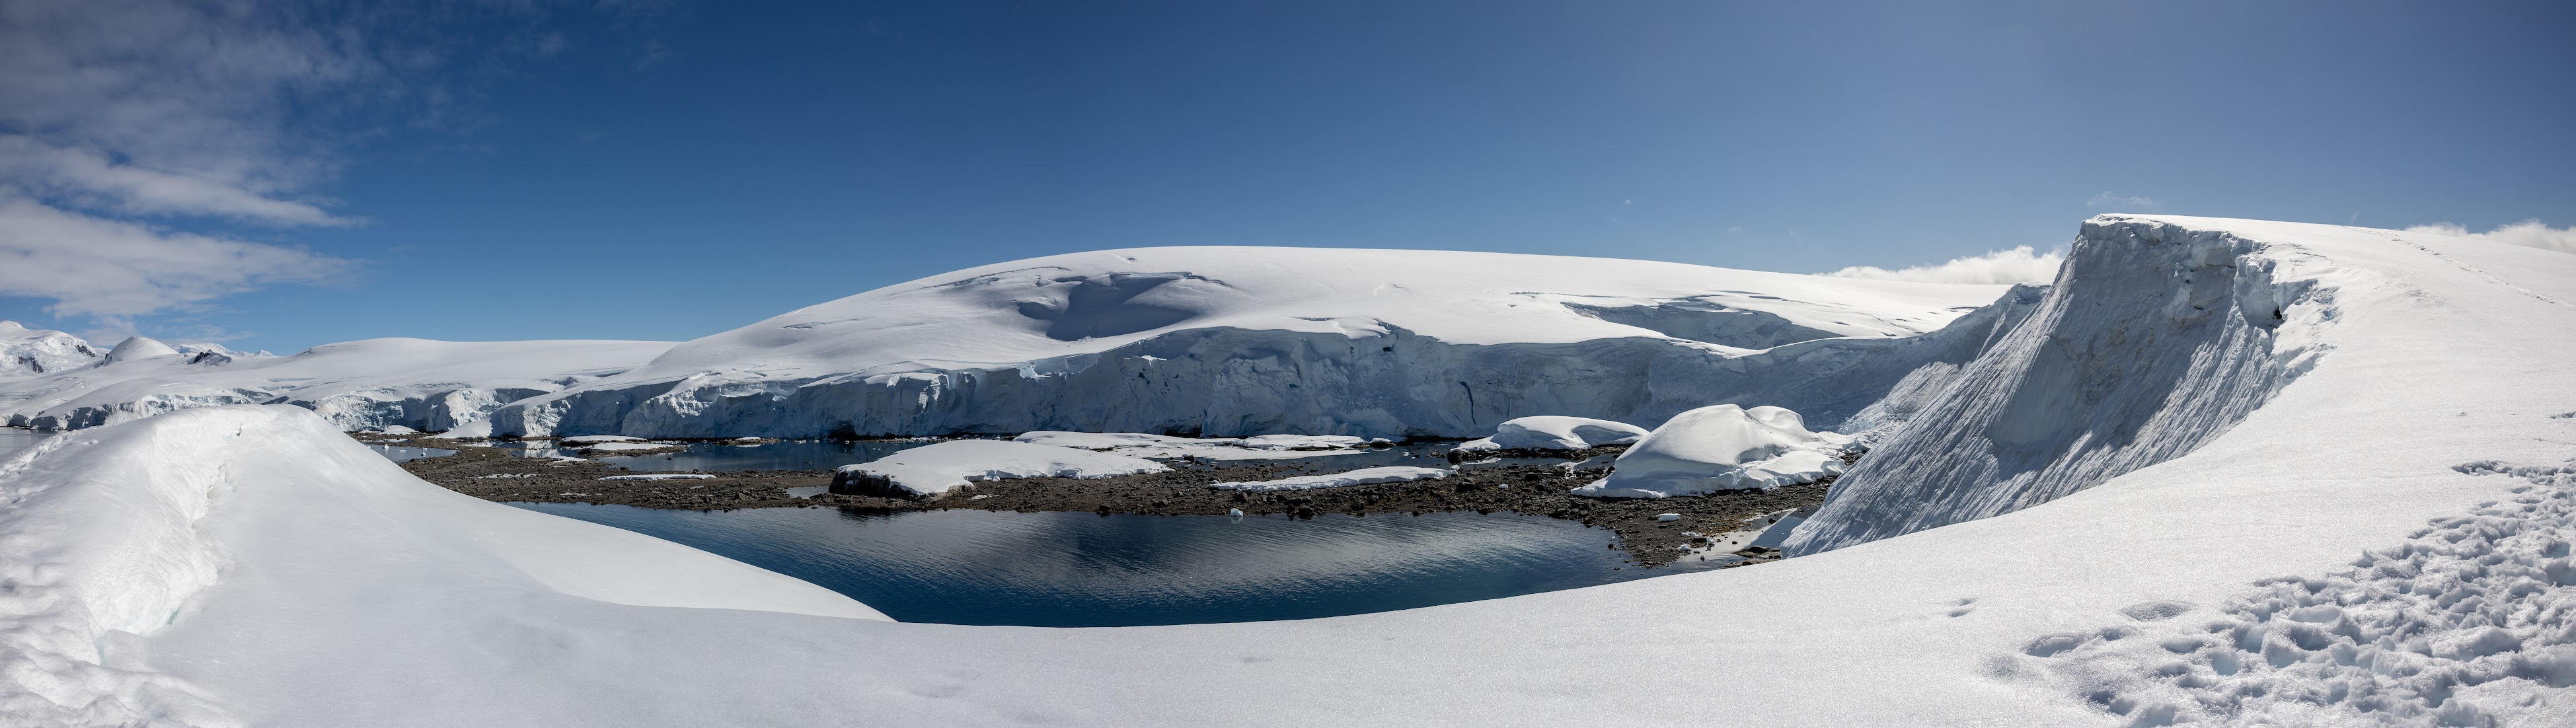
115	269
2018	265
2528	233
2135	202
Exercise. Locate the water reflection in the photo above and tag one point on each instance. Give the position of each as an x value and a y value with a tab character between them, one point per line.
1081	569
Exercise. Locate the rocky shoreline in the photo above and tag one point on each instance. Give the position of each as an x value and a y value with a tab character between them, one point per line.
1531	490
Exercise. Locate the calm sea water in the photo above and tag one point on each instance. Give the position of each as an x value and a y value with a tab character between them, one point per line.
1083	569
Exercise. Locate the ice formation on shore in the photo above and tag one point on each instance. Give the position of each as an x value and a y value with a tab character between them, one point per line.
933	470
416	383
1722	447
1234	341
2380	540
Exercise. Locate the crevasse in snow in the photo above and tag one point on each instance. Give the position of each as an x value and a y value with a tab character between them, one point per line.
1229	341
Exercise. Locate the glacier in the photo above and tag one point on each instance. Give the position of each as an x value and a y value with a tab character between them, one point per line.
417	383
2372	530
1234	341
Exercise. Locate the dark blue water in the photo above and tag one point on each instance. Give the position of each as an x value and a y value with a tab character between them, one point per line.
1088	570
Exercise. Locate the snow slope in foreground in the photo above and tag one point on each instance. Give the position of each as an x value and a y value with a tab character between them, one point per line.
1229	341
417	383
2438	395
267	524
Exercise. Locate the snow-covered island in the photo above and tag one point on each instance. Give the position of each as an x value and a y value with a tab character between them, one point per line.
2220	472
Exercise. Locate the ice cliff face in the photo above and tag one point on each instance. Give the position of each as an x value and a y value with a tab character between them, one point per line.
2159	334
417	383
1221	341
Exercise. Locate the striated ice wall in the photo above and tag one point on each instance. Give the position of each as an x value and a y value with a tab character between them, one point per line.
2156	338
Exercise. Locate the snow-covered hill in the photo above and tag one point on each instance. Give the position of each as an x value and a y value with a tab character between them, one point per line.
429	385
26	352
1226	341
2381	540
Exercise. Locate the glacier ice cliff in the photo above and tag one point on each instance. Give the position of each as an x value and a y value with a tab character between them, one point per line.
2156	337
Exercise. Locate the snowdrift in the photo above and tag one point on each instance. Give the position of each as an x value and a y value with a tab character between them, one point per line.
1231	341
2382	542
417	383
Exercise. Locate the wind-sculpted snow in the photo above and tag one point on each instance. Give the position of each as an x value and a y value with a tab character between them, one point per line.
1239	341
2156	338
417	383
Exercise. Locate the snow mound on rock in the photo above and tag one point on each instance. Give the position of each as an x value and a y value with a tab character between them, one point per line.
1233	341
1721	447
1555	432
931	471
1362	476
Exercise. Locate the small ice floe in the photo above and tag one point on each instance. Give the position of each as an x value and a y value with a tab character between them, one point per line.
981	496
1722	447
597	439
661	476
1235	512
1362	476
1668	516
397	430
562	459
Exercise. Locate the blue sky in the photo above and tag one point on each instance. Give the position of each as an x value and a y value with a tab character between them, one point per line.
294	175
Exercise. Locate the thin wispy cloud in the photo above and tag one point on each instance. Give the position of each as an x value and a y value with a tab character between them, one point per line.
2528	233
2124	202
122	121
2018	265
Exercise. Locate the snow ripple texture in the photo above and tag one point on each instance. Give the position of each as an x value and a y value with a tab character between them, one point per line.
2156	338
2471	622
